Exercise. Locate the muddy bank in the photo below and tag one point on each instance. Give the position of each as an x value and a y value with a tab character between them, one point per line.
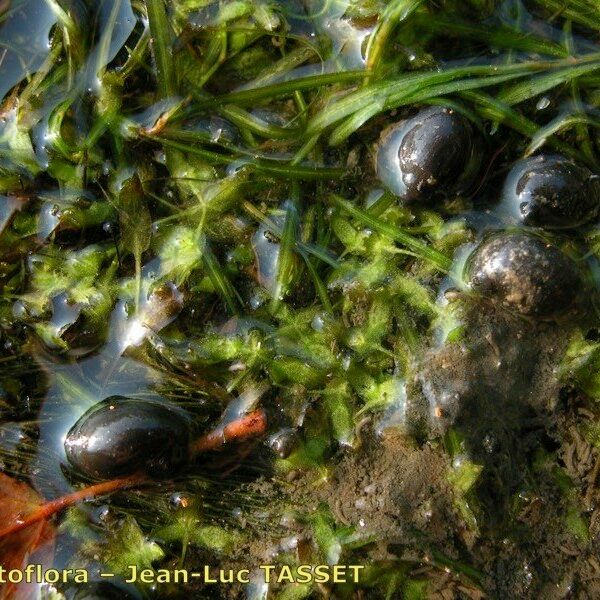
529	528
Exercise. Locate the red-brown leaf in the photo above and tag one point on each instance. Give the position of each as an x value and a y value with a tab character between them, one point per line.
17	501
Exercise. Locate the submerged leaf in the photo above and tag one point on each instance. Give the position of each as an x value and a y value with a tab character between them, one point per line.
129	546
18	500
134	218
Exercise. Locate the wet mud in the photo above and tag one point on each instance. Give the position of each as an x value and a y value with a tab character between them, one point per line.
499	388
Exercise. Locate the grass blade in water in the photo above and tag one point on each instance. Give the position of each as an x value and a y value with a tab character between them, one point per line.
161	44
411	83
395	13
538	85
419	247
287	88
559	124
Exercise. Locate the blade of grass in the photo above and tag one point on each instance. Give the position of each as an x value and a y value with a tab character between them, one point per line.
33	86
491	108
419	247
535	86
286	88
381	204
245	120
303	247
63	17
161	44
304	150
289	62
136	55
214	58
218	278
584	13
319	285
412	96
394	13
459	107
581	129
501	36
410	83
561	123
583	134
359	118
105	40
262	165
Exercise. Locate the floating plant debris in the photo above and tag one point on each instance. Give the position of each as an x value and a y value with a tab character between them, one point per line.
299	283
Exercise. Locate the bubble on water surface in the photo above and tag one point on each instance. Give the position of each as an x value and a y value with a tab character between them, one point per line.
543	103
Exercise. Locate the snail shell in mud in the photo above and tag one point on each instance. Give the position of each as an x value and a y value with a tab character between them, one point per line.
551	191
121	436
523	273
436	152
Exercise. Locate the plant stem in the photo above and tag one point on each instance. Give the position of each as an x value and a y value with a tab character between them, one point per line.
248	426
48	509
161	42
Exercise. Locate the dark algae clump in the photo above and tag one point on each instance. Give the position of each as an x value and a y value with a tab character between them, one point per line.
300	283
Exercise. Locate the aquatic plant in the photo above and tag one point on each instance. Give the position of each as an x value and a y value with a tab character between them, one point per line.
192	215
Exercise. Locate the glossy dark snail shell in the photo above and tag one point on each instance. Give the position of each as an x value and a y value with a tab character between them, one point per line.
434	153
121	436
552	192
523	273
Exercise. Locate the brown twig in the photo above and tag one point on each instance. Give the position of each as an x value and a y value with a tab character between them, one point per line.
251	425
48	509
248	426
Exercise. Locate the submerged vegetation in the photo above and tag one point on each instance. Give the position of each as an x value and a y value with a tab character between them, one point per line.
376	221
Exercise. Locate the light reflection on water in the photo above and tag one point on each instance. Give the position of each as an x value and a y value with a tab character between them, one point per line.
24	46
76	385
339	42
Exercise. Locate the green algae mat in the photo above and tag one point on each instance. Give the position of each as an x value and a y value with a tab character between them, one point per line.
299	299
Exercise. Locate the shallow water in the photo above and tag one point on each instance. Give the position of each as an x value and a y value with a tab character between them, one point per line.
23	53
164	234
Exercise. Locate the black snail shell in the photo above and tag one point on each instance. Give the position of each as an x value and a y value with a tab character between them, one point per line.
551	191
121	436
521	272
436	152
